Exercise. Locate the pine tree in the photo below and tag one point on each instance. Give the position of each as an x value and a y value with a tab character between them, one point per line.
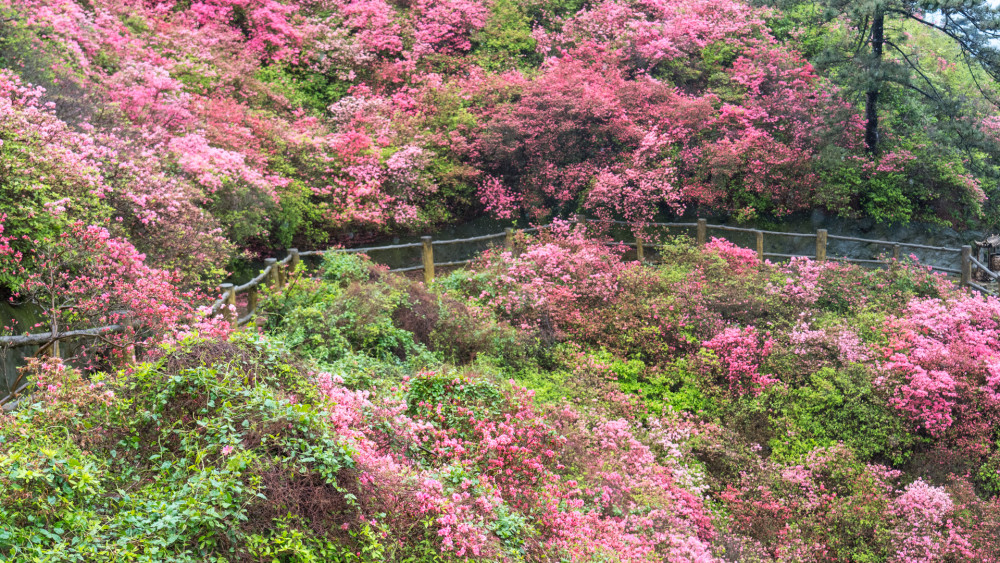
876	56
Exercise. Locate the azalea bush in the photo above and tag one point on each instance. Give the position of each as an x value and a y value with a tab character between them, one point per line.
88	279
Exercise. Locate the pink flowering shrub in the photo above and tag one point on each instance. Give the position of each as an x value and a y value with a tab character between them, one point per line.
801	287
831	506
224	128
738	258
94	176
820	345
927	397
553	281
478	459
498	199
445	27
940	357
925	532
609	101
88	278
741	353
68	397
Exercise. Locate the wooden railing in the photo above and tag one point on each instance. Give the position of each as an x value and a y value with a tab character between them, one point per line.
276	272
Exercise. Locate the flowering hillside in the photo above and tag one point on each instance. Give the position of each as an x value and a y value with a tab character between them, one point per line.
200	129
551	402
556	403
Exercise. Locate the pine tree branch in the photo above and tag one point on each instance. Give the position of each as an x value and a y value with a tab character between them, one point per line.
935	96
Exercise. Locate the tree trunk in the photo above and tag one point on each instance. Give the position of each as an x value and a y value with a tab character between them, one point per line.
871	99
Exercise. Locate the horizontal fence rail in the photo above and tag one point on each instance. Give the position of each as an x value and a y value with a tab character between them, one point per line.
277	272
985	270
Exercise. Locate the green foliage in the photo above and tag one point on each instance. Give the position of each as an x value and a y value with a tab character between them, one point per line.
327	321
244	210
855	526
455	396
673	386
841	406
25	201
357	309
884	199
302	87
454	177
174	466
546	12
506	42
989	472
342	268
930	109
26	217
716	58
549	385
296	220
793	24
887	289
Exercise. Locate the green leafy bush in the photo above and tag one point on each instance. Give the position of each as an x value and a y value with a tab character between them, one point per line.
182	459
841	406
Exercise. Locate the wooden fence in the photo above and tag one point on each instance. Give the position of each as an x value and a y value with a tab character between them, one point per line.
276	272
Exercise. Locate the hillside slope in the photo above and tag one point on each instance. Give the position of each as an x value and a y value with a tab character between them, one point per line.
558	404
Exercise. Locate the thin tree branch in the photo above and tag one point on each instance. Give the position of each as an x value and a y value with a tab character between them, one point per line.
916	67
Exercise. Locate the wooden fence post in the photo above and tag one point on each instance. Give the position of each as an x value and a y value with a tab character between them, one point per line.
760	246
966	265
272	275
639	252
228	302
252	298
702	231
294	262
821	245
428	259
509	238
896	250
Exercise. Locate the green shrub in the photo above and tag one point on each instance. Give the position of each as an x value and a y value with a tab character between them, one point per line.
184	463
506	42
358	308
457	394
841	406
673	385
989	472
341	268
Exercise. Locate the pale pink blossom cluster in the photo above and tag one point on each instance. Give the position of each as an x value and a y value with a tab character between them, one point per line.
840	341
802	284
925	531
550	284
